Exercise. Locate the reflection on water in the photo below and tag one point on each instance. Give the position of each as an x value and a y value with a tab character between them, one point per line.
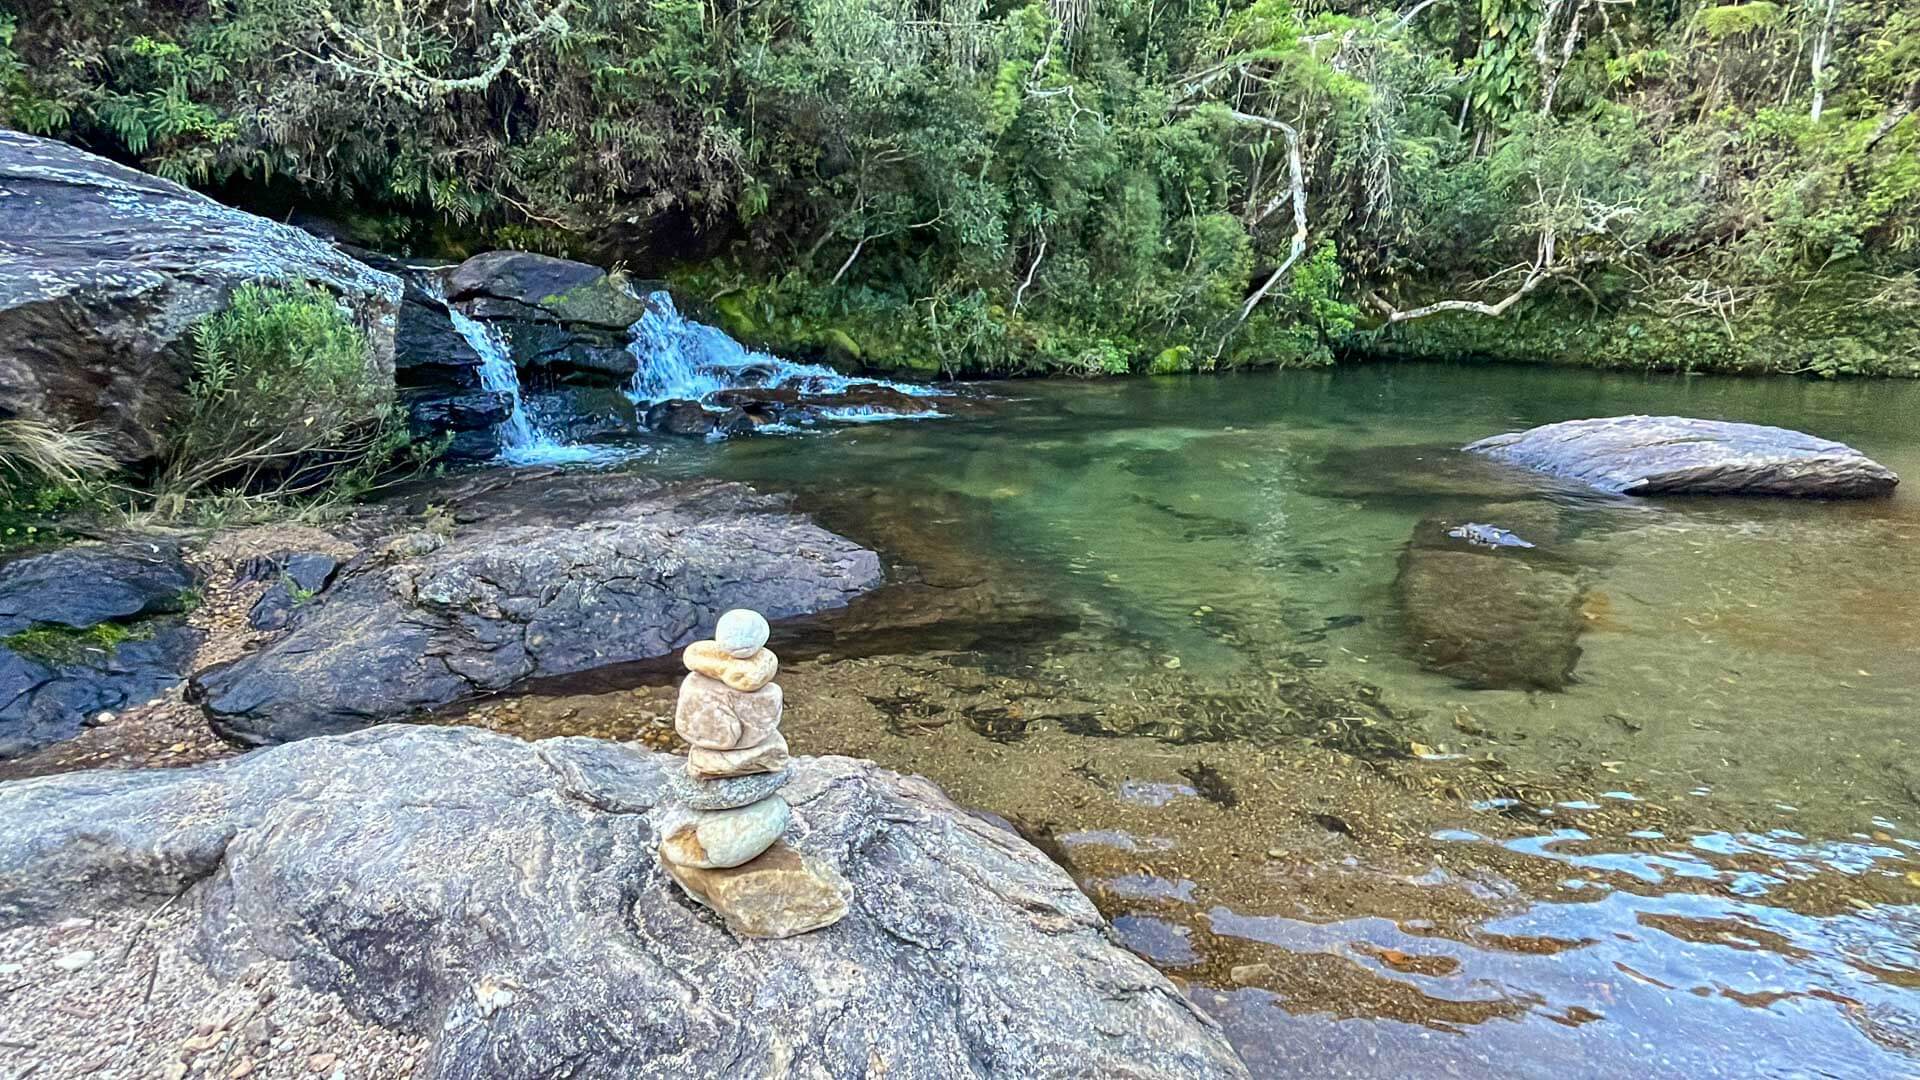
1638	797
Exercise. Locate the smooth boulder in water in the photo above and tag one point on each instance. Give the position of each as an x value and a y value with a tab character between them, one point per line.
1678	455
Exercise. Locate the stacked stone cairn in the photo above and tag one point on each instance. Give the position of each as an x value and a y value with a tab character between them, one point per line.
721	831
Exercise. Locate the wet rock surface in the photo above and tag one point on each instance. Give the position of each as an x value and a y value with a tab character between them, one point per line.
502	900
55	676
104	272
1678	455
50	698
88	584
546	574
1490	615
568	317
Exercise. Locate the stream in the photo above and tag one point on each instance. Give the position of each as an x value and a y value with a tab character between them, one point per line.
1164	628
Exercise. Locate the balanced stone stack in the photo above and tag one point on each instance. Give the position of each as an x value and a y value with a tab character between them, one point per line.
721	839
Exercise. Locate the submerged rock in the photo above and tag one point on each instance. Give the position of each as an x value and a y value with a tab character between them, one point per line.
549	574
1678	455
1491	616
104	272
408	869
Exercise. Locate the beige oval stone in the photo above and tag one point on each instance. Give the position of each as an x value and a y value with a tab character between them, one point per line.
717	839
777	895
715	716
745	674
768	756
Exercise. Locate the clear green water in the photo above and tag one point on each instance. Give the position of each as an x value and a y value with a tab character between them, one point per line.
1759	651
1752	666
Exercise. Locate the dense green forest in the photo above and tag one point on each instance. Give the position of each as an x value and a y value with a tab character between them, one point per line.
1141	185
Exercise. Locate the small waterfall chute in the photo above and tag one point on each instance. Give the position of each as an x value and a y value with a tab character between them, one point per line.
522	442
679	359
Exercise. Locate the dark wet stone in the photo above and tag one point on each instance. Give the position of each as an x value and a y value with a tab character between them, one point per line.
298	579
679	418
48	700
1650	455
476	410
557	314
548	574
403	868
104	272
1491	617
88	584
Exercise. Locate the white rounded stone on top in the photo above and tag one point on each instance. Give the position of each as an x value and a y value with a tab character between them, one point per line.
741	632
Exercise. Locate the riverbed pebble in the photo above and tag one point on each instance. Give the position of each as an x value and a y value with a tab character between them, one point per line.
741	632
717	839
713	715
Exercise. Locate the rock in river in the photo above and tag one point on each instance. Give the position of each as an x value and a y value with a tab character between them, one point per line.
1493	617
408	868
1678	455
104	270
549	573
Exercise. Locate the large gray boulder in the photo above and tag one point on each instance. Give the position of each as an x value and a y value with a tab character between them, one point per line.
551	574
503	900
104	270
1678	455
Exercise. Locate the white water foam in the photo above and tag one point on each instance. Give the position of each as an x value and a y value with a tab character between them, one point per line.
680	359
522	442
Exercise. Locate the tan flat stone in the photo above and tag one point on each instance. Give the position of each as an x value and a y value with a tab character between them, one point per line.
769	755
745	674
713	715
780	894
716	839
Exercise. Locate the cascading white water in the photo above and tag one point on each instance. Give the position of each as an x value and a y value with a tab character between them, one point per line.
521	440
680	359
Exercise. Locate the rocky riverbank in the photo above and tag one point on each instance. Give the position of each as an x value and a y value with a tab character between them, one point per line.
500	901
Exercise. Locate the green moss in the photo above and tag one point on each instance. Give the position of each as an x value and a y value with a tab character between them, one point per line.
66	644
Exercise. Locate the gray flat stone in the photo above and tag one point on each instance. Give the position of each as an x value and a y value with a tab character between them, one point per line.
724	793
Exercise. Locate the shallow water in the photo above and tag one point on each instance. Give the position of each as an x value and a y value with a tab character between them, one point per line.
1156	624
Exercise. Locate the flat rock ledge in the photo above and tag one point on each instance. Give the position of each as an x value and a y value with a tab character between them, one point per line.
501	899
545	575
1678	455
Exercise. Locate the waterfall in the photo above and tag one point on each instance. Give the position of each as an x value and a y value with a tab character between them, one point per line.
680	359
521	440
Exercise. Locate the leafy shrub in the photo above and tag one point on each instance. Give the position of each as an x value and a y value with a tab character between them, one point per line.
282	403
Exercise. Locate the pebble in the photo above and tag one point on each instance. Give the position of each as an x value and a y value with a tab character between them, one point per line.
741	632
713	715
320	1062
743	673
768	756
780	894
75	960
718	839
1247	974
724	793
